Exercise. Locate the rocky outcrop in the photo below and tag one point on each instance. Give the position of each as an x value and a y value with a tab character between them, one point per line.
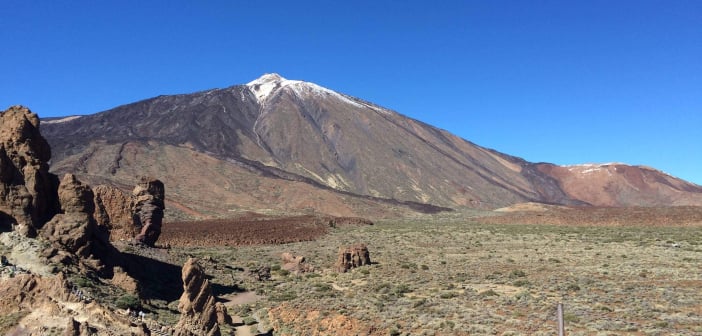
24	291
122	280
75	328
352	256
73	229
197	304
52	300
113	211
260	273
74	232
27	189
295	264
147	210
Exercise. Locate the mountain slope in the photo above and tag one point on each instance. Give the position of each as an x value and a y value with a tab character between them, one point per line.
299	131
616	184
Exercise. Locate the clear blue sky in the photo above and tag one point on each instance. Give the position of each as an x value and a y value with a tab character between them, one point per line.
557	81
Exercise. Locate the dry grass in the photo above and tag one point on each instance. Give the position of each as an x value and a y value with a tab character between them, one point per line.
438	277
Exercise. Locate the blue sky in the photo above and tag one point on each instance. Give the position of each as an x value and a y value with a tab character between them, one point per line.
557	81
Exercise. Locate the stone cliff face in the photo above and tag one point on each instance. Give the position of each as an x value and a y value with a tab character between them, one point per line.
27	190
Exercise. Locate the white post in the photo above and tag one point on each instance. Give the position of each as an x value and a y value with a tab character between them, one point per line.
561	325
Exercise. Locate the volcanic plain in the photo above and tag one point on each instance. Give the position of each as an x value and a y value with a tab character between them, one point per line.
618	271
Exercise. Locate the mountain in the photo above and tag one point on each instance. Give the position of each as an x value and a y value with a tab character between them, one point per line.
287	145
617	184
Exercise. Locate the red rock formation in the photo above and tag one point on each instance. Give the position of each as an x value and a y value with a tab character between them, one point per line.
197	304
147	209
27	189
352	256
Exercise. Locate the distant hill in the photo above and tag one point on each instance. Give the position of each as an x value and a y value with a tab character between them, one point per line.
287	145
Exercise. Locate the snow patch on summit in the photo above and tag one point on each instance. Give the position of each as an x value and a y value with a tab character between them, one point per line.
58	121
589	168
269	84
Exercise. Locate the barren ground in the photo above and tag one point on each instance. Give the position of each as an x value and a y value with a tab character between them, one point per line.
617	271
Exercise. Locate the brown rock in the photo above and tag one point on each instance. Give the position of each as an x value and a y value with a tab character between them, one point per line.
75	197
31	290
74	229
76	328
122	280
147	210
295	264
352	256
27	189
223	317
113	211
199	313
261	273
53	296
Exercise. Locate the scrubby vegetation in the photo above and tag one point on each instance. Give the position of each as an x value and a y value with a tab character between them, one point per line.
461	276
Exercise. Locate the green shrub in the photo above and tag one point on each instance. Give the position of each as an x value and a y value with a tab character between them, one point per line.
322	287
521	283
419	303
285	296
401	289
487	293
573	287
570	317
517	274
128	301
447	295
249	320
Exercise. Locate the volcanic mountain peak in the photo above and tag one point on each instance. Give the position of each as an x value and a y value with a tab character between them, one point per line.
274	135
271	83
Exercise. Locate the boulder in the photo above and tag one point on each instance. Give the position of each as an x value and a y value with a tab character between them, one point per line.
260	273
199	312
75	328
27	189
352	256
74	229
295	264
147	210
